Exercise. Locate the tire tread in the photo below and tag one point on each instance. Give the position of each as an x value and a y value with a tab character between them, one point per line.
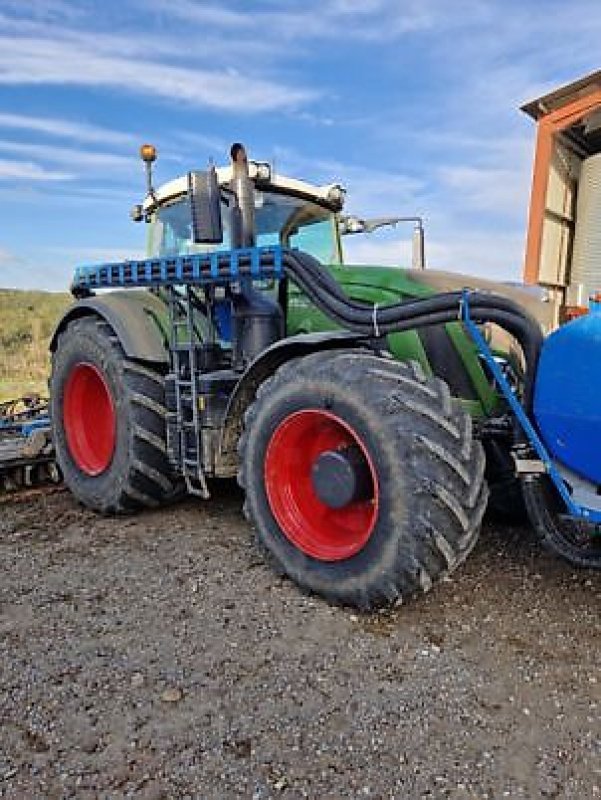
146	479
431	433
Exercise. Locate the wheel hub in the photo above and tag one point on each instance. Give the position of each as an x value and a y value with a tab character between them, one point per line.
340	477
321	485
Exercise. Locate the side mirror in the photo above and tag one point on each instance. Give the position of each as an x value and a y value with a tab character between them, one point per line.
204	197
350	224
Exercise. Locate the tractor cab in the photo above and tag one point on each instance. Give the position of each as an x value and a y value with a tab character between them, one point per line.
287	212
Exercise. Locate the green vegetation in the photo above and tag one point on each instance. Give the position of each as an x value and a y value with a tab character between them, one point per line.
27	320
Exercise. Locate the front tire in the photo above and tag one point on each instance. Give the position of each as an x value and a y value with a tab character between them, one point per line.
422	494
108	422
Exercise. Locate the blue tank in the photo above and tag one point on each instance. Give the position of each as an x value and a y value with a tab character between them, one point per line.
567	395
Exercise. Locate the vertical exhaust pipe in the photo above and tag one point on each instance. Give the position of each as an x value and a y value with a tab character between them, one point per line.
257	319
418	254
243	208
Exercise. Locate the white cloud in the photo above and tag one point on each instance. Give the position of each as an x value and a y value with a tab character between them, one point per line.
31	61
45	9
501	190
461	251
369	20
213	15
495	255
68	196
30	171
68	155
67	129
217	146
371	189
32	53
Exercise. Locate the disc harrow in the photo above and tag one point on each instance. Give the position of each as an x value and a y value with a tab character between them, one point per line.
26	450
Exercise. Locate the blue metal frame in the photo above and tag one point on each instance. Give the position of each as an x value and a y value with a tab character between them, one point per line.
24	427
574	509
218	268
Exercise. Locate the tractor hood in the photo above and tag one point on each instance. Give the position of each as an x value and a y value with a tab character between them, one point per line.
394	282
531	298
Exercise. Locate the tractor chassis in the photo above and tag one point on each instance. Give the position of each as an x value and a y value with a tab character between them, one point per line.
363	477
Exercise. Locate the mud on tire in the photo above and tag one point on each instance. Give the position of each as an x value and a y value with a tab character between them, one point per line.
138	474
430	474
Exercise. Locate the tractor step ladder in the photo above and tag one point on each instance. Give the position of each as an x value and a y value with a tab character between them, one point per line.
183	421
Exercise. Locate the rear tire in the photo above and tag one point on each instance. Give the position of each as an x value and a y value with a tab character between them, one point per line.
113	457
427	495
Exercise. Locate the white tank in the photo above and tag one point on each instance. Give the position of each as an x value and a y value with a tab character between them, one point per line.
586	257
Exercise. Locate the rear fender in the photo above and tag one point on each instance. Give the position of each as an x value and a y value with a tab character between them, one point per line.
139	320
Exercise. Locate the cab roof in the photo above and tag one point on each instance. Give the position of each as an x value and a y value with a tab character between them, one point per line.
329	196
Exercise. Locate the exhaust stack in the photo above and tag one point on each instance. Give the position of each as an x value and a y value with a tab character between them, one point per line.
243	208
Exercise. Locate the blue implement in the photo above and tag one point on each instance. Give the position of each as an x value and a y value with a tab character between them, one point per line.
567	398
538	444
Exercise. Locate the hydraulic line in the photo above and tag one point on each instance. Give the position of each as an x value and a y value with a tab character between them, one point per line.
323	291
376	321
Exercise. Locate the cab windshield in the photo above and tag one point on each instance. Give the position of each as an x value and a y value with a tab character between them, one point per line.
280	219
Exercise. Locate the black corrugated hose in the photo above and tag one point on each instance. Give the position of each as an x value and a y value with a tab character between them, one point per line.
325	293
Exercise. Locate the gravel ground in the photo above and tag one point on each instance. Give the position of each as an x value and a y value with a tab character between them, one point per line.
157	656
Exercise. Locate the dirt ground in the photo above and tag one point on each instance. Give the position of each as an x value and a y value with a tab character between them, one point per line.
157	656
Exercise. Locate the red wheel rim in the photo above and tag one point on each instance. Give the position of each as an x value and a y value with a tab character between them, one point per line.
327	534
89	419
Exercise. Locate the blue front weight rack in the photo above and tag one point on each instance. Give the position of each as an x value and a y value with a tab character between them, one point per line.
219	268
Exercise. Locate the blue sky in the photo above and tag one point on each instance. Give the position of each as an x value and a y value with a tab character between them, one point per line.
411	104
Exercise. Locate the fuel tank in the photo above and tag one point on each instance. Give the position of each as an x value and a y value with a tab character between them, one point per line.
567	395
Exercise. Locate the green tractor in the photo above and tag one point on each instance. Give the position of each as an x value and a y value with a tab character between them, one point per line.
363	419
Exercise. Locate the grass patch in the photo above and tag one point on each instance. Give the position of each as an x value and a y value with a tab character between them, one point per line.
27	320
